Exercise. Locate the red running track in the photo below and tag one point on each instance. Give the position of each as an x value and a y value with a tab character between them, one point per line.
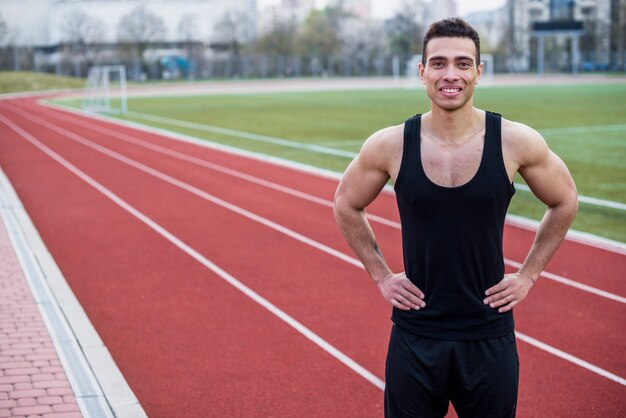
191	344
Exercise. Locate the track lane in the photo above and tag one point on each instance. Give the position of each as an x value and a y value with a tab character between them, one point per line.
302	369
560	334
551	387
599	268
583	352
251	239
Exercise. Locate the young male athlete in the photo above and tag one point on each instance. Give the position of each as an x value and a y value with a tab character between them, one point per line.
452	169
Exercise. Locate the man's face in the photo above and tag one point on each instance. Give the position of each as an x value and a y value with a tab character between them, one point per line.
450	73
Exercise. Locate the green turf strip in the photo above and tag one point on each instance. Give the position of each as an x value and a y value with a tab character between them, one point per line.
595	151
20	81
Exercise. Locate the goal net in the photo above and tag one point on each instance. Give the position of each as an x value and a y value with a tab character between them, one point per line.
105	89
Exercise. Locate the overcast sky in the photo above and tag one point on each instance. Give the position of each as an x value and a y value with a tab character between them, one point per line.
385	8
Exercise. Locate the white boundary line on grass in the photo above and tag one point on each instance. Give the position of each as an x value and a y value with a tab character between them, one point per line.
585	199
572	235
268	184
325	149
232	280
518	221
583	129
245	135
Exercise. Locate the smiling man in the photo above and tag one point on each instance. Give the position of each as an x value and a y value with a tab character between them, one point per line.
453	169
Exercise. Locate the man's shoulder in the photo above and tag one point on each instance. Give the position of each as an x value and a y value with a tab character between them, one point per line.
521	141
520	134
383	147
386	138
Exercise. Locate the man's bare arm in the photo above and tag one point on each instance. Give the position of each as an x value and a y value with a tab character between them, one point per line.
550	181
362	182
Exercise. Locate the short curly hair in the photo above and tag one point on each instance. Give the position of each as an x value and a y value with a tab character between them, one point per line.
454	27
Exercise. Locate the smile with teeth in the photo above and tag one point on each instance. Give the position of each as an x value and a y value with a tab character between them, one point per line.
451	89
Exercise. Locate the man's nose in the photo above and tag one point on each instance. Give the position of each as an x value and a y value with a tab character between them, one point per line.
450	73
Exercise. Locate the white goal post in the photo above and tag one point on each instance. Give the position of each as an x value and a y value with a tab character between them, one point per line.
487	60
105	89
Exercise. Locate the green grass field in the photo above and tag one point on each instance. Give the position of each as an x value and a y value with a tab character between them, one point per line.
584	125
19	81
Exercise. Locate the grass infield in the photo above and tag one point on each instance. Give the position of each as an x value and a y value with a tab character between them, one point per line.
584	124
20	81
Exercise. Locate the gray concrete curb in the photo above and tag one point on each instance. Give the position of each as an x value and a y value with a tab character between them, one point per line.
98	385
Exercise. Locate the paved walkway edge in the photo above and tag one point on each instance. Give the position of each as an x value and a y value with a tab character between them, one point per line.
99	387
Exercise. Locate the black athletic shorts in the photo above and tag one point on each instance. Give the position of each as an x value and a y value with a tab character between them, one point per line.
423	376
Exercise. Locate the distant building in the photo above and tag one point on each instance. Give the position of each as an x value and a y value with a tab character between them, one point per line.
41	22
593	51
492	25
44	27
522	36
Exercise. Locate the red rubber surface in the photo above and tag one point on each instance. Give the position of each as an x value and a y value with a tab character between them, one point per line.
192	345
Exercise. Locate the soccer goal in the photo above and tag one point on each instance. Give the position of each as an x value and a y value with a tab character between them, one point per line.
105	89
487	60
412	73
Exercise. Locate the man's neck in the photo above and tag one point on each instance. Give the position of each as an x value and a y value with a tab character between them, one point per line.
454	126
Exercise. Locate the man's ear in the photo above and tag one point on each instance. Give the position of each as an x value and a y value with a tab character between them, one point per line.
479	71
420	70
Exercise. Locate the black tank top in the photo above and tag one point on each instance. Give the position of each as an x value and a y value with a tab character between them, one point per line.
452	241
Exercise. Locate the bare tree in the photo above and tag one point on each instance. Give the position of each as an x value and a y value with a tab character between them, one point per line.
140	28
618	35
363	44
3	29
279	44
230	33
188	34
84	32
12	53
404	31
187	28
320	40
83	28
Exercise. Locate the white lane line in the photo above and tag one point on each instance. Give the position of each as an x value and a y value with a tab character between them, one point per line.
343	143
583	238
191	189
583	129
573	359
274	186
546	131
333	151
572	283
244	135
216	167
585	199
319	341
227	205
